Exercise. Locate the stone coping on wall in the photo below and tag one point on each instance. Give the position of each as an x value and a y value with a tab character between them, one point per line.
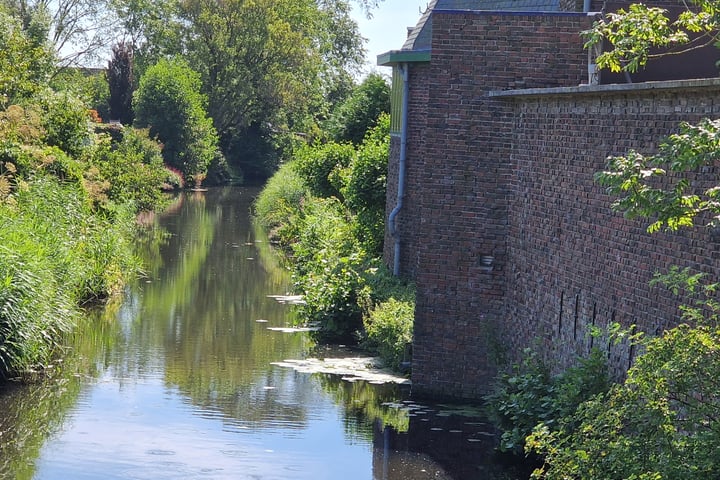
697	84
514	13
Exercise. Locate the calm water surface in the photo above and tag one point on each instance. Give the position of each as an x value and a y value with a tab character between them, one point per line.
175	381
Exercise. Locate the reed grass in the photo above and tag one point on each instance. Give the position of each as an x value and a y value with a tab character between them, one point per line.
56	253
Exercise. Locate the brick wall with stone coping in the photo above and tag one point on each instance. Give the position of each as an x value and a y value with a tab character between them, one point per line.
573	262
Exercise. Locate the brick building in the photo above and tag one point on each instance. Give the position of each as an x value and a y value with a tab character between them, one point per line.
499	122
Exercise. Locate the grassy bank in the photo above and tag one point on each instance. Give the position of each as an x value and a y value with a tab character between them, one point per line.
67	219
325	210
56	254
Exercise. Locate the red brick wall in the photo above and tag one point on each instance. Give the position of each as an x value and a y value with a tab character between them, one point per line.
512	177
572	261
459	176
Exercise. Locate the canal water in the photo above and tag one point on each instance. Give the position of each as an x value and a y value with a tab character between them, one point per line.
176	380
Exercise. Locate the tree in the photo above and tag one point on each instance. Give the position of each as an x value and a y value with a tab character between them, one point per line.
120	80
26	61
169	102
78	30
361	111
265	65
642	32
66	121
258	66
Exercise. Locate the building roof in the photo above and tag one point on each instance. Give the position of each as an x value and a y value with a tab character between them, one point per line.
420	36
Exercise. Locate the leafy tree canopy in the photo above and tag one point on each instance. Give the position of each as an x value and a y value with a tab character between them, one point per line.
643	32
658	187
26	61
360	112
266	65
78	30
169	102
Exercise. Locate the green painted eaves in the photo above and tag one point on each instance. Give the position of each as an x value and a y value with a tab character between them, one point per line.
395	57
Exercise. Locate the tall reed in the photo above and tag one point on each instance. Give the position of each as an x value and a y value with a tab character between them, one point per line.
56	253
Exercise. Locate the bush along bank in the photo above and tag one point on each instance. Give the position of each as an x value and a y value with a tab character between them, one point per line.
68	200
325	210
660	422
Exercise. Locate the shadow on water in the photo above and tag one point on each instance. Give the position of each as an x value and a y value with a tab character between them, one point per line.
176	380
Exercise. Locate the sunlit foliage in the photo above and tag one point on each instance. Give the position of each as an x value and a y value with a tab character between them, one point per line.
643	32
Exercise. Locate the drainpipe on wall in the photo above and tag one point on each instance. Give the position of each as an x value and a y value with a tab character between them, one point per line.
593	71
392	218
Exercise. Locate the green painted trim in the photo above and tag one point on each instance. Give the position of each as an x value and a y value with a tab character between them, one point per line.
393	57
396	98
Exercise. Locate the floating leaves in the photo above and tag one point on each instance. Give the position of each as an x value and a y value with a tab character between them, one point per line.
351	369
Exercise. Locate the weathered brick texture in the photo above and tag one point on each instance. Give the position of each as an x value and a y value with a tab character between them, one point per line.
512	178
458	177
572	261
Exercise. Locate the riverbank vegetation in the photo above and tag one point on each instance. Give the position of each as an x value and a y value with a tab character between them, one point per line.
65	233
228	89
69	192
325	209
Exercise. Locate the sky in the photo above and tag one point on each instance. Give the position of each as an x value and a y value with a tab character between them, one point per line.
387	29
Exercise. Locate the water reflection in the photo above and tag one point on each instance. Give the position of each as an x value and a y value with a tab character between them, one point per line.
176	381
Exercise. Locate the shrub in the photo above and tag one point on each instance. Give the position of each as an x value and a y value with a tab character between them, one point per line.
381	285
389	329
364	188
30	160
131	169
388	305
66	121
169	102
22	143
21	125
359	113
327	271
663	422
91	88
173	179
319	165
531	396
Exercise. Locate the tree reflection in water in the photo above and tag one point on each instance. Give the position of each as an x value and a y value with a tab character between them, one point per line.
180	369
